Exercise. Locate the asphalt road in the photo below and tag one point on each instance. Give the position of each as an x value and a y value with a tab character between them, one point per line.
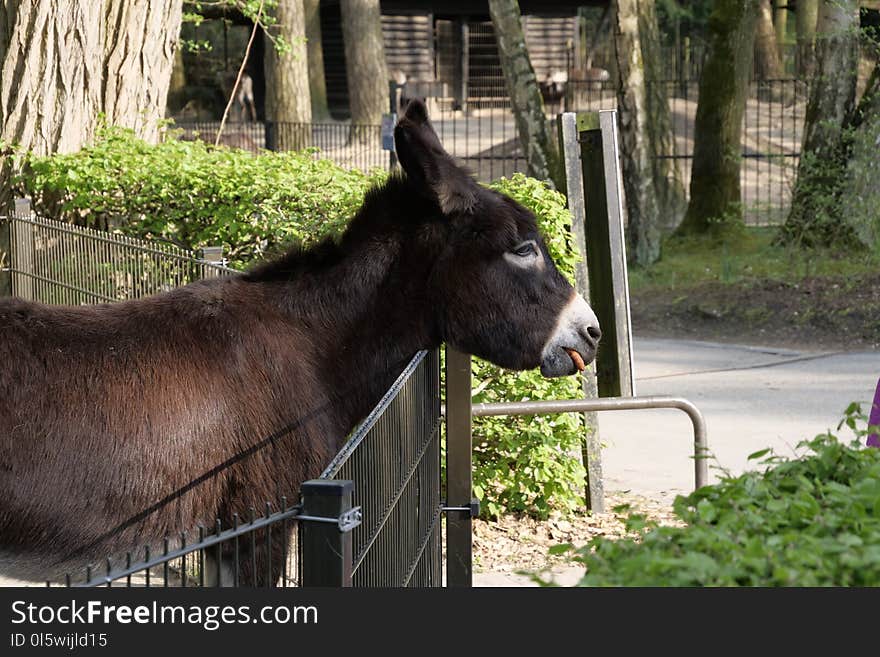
751	397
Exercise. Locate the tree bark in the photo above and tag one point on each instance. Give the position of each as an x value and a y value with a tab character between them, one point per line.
541	154
317	81
654	191
139	43
806	17
365	67
288	103
780	24
767	63
814	217
61	68
715	204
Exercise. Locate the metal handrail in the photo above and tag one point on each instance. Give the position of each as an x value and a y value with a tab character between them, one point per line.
701	448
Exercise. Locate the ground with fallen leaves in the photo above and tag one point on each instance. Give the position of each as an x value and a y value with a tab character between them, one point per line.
513	544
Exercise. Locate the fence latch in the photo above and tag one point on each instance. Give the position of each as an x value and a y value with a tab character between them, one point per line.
473	508
346	521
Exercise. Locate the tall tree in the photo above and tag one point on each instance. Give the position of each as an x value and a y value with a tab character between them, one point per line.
814	218
654	191
365	67
288	103
542	156
806	17
715	186
768	65
780	23
60	69
317	81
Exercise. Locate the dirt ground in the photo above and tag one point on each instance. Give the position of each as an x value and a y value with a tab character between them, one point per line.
814	314
513	544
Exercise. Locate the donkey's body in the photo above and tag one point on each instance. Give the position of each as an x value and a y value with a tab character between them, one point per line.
122	423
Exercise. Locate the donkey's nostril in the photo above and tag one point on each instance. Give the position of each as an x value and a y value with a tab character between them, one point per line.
594	332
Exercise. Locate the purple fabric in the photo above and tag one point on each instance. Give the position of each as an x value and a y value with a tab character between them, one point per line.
874	420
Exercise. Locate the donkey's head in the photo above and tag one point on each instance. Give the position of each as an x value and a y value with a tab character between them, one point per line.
498	294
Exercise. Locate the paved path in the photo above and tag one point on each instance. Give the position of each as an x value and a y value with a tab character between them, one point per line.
751	397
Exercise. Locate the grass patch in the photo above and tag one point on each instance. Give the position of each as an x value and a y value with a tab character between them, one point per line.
691	261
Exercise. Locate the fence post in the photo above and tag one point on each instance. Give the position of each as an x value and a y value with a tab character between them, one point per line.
606	250
269	129
212	255
327	551
459	484
591	448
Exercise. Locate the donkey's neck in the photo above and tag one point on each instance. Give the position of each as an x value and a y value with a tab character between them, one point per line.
364	304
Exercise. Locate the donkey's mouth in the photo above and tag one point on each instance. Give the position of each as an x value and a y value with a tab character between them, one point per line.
577	360
565	361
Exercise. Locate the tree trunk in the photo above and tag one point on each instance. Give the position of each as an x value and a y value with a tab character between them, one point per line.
365	67
715	204
780	24
317	81
654	191
806	16
814	217
288	104
541	154
661	141
60	69
767	63
139	40
860	195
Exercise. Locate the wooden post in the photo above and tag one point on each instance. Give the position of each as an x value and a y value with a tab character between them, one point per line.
459	484
606	251
327	549
591	449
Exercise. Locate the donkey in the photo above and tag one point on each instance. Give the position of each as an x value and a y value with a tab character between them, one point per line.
122	423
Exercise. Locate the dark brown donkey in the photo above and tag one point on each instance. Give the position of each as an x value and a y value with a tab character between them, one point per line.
113	416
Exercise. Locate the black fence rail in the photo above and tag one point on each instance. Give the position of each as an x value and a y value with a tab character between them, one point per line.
210	556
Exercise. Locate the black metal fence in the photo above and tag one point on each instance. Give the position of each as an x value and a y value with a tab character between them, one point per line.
394	460
372	519
771	137
55	262
350	146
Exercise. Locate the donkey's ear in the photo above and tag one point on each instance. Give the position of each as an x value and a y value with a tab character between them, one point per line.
427	164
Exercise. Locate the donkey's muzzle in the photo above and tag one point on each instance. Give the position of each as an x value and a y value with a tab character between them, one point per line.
574	342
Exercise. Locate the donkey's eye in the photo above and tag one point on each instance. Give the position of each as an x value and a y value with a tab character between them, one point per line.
526	249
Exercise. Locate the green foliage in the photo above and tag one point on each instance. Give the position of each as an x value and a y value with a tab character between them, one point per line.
530	464
809	521
195	195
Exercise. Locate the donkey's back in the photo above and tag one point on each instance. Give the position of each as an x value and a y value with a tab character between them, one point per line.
139	400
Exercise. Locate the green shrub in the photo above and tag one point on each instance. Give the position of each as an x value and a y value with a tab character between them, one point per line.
195	196
809	521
